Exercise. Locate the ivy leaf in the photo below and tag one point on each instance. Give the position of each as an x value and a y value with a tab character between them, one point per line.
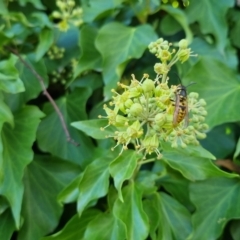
7	225
76	227
36	3
17	154
211	11
92	128
93	8
130	43
46	38
174	218
214	212
44	178
90	57
131	213
191	164
106	226
94	183
10	81
219	94
122	168
51	137
180	17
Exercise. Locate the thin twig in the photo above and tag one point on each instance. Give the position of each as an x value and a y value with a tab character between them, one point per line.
46	93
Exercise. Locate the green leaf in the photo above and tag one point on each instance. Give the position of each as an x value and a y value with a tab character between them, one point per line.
76	227
92	128
213	11
217	202
151	209
219	86
94	183
237	151
36	3
17	154
46	38
221	140
122	168
44	178
131	213
105	226
130	43
93	8
7	225
10	81
31	83
90	57
181	18
235	230
51	137
71	192
174	218
191	164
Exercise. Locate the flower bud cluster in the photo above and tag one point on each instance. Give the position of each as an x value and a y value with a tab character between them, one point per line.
143	115
175	3
55	52
168	55
67	14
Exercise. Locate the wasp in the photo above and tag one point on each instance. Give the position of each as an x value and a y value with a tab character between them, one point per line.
181	105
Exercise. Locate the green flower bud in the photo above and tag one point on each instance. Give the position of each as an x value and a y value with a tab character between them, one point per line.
184	55
165	55
160	119
128	103
161	68
135	131
56	14
183	44
120	121
136	109
148	86
193	95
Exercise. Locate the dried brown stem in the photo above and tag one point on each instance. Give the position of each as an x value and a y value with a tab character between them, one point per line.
228	164
46	93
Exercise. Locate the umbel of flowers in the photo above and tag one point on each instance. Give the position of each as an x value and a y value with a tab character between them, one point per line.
144	112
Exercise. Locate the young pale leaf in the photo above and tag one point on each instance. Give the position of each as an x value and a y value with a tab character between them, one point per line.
46	38
122	168
105	226
76	226
116	51
51	137
131	213
217	202
219	86
10	81
235	230
92	128
44	178
94	183
174	218
237	151
7	225
216	10
191	164
17	154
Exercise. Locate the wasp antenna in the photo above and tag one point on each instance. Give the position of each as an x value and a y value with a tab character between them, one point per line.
191	83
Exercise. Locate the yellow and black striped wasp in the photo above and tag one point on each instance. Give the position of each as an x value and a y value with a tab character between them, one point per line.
181	105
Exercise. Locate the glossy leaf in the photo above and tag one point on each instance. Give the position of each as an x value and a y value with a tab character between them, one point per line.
123	48
75	228
180	17
7	225
174	219
192	166
131	213
17	154
10	81
44	178
46	38
92	128
219	86
90	58
214	211
105	226
94	183
122	168
215	12
51	135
